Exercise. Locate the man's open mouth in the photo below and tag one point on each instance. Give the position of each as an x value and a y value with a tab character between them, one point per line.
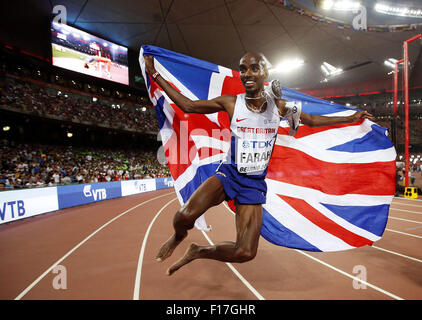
249	83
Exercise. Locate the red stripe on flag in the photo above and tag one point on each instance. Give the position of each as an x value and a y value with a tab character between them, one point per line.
324	223
180	149
298	168
232	85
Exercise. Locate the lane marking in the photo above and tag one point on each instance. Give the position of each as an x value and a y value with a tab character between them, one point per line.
137	289
24	292
395	218
405	210
406	204
407	199
352	277
404	233
237	273
396	253
254	291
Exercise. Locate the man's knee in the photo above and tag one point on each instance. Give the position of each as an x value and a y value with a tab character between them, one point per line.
244	255
185	217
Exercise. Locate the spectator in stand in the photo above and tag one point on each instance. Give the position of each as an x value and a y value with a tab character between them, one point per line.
71	107
29	166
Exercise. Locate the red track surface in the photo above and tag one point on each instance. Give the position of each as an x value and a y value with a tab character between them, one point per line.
106	264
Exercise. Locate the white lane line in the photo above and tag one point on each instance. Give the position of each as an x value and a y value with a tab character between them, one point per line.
407	205
254	291
237	273
413	221
404	233
407	199
352	277
396	253
405	210
24	292
395	218
137	288
348	275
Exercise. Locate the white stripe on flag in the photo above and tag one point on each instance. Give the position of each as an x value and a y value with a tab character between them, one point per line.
210	142
304	228
336	136
314	151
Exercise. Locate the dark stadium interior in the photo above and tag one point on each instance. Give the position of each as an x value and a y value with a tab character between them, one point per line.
86	186
41	103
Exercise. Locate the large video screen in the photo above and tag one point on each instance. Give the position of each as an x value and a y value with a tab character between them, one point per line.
80	51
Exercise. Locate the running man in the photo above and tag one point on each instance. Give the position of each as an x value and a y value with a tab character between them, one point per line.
254	119
95	61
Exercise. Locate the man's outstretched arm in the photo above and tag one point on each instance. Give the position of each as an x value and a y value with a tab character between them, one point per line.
184	103
320	121
314	120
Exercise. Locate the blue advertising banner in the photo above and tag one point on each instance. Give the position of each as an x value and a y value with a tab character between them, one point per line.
164	183
75	195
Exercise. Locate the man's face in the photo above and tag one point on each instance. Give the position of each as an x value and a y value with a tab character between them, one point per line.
253	73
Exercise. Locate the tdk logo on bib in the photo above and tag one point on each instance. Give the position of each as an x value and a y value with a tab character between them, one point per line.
257	144
253	155
97	194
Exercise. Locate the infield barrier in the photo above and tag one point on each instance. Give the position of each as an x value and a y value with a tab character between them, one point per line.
20	204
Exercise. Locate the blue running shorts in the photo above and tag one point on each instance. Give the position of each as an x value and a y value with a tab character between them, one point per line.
242	188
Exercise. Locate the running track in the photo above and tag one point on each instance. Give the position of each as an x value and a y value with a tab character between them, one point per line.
108	250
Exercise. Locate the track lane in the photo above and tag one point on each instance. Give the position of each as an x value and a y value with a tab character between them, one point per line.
299	276
200	279
31	246
100	269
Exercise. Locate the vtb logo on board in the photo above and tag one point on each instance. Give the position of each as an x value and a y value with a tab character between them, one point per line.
97	194
11	208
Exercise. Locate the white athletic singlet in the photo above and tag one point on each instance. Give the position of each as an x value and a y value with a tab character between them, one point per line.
253	137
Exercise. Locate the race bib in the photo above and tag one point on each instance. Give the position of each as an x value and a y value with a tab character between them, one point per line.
253	155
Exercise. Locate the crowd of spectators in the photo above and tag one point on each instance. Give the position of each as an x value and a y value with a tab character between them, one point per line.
28	166
49	102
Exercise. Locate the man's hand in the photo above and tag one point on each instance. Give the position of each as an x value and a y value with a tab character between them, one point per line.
362	115
149	65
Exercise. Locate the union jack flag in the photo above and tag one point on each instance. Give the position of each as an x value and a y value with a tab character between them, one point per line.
329	188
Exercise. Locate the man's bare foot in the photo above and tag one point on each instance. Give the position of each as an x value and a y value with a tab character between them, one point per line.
167	248
190	254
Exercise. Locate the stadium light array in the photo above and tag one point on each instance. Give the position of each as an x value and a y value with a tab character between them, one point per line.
330	70
391	62
343	5
287	66
398	11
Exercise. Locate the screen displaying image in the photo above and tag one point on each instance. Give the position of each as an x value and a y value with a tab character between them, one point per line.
80	51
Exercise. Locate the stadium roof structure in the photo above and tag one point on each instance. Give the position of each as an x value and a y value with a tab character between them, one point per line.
220	31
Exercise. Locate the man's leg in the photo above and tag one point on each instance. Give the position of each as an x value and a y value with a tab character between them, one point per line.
248	227
209	194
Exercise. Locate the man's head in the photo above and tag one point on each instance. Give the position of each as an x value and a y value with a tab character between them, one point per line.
253	72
